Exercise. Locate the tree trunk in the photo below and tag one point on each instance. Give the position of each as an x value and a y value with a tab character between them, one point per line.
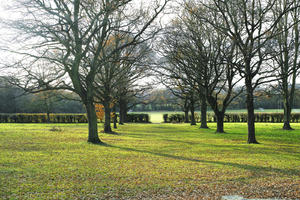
186	108
48	117
92	122
287	115
203	113
115	117
286	105
47	110
123	111
220	122
107	119
192	106
121	119
186	115
125	114
251	116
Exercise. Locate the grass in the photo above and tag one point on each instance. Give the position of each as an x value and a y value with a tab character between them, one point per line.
160	161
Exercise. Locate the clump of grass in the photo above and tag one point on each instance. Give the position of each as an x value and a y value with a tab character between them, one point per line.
55	129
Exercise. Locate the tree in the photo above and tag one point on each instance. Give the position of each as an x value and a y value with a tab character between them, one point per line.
251	28
181	91
66	38
176	68
210	56
8	94
122	69
46	100
287	44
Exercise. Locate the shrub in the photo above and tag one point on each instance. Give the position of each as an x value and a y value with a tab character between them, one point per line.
165	116
235	117
138	118
42	118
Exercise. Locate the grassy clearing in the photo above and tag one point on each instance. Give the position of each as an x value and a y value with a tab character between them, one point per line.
160	161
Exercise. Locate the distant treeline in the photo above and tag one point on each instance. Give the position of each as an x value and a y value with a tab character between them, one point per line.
163	99
13	100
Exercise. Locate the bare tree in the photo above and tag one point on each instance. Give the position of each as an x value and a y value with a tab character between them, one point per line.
287	45
211	58
67	38
203	60
251	27
123	69
187	94
174	70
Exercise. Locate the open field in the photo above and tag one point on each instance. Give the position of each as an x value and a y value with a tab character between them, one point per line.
160	161
157	116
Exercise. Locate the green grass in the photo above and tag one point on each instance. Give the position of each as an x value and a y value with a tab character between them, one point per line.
160	161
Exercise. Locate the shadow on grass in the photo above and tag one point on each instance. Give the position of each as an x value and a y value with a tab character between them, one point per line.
257	169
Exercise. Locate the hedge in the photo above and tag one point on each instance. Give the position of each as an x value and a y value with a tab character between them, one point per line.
61	118
234	117
138	118
42	118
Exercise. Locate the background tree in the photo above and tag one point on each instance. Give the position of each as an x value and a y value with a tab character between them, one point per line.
210	56
287	45
123	69
251	28
185	93
45	101
175	65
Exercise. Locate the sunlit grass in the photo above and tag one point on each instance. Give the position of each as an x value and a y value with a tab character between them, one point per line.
147	160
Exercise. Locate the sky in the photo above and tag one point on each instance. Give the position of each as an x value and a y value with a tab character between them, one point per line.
5	14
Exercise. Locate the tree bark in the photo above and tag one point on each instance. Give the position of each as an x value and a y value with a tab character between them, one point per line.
123	111
121	117
220	122
47	110
186	116
203	113
107	119
192	107
92	123
115	117
48	117
287	114
251	116
186	108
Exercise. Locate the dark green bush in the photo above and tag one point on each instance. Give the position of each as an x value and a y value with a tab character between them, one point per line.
42	118
138	118
235	117
165	116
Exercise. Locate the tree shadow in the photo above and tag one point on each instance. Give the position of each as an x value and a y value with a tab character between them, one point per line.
256	169
110	133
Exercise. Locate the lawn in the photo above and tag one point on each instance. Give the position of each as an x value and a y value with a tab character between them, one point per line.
159	161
